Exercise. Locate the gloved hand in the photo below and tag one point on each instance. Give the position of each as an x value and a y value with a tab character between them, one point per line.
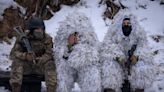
134	59
40	61
29	57
66	54
120	60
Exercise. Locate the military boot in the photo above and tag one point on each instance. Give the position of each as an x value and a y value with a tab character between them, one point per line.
108	90
51	89
16	87
139	90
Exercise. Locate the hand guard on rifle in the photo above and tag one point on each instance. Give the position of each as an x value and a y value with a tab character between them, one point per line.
133	59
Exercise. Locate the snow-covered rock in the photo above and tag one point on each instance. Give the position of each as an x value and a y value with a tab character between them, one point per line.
9	3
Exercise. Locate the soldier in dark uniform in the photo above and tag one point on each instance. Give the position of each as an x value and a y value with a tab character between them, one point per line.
23	64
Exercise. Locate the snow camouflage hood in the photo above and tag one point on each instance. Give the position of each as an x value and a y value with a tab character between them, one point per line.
137	36
85	52
143	73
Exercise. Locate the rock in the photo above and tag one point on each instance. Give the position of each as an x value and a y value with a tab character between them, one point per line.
111	10
38	8
11	18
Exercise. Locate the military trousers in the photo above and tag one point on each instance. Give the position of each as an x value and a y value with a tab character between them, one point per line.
20	68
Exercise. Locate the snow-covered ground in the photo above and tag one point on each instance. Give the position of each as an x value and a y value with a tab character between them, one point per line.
4	55
150	15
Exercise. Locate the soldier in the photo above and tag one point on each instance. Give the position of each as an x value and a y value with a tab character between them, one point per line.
125	56
77	55
23	64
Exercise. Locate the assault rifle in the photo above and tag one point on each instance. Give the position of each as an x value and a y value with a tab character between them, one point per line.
130	54
126	86
25	41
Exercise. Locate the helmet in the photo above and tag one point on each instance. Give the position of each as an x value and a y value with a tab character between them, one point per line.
34	23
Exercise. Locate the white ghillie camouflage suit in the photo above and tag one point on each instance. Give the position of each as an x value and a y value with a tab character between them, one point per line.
82	64
115	44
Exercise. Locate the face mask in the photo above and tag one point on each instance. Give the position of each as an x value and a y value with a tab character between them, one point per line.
126	30
38	35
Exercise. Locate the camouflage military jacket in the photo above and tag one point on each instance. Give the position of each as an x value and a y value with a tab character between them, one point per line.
42	48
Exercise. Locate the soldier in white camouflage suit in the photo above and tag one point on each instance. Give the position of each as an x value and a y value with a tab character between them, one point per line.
124	33
77	55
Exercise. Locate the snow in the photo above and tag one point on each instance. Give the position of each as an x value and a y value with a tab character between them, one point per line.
150	15
2	89
5	49
5	62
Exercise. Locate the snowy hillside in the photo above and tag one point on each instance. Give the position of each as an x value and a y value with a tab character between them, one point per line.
150	15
